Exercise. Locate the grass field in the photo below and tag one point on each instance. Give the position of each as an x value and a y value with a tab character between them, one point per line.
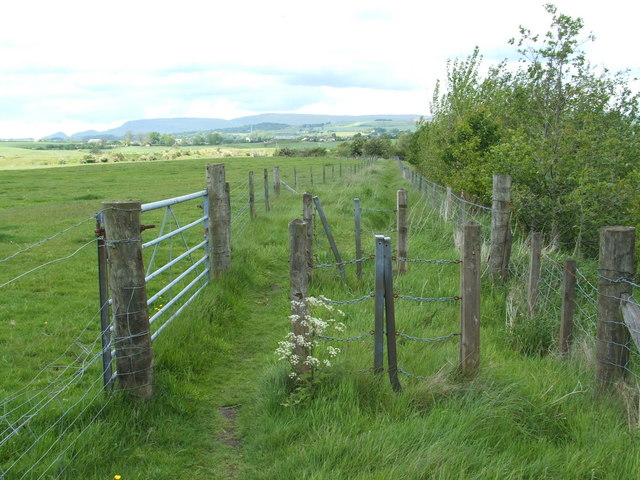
22	155
224	406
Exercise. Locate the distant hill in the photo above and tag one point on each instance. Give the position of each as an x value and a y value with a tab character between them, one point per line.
191	125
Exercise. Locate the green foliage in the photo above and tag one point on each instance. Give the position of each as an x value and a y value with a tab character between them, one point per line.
301	152
566	133
366	146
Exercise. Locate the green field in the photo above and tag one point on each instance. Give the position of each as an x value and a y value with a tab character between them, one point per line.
224	406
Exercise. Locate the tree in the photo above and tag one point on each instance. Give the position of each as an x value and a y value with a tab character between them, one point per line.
153	138
167	140
377	147
214	138
128	138
565	132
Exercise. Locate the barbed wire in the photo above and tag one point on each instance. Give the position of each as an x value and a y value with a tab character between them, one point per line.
341	264
384	210
345	339
427	299
46	264
379	232
348	302
619	280
45	240
411	375
428	340
422	260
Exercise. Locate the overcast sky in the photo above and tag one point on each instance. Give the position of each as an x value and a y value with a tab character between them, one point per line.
73	65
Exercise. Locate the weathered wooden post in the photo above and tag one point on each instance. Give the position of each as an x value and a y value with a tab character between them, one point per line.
332	242
298	271
356	209
340	170
403	240
324	174
311	174
470	270
307	216
500	251
295	178
134	356
266	190
103	289
333	172
568	306
378	332
276	181
535	258
219	219
616	268
447	205
389	310
252	197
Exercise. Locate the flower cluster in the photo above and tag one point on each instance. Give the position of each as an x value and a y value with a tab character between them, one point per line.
318	355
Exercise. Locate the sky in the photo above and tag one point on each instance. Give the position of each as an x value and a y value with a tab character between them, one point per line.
71	65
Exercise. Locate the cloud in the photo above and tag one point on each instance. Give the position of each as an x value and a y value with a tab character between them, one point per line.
73	64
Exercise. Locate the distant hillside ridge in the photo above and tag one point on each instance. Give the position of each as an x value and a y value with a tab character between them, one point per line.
190	125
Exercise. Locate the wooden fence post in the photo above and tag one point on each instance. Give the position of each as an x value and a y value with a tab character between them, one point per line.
333	172
266	190
219	219
276	181
134	355
307	216
568	305
332	242
617	263
403	241
535	258
500	251
378	332
295	178
389	310
298	271
470	269
341	170
252	197
447	205
324	174
311	174
356	210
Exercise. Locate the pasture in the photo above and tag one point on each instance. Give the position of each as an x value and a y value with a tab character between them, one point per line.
225	407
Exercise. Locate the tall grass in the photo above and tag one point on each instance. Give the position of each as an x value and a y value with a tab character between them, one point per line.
523	416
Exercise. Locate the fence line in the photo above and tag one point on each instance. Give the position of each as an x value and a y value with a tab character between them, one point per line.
77	373
384	295
46	264
562	292
47	239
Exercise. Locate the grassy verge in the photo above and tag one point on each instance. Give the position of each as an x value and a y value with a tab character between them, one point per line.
225	407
